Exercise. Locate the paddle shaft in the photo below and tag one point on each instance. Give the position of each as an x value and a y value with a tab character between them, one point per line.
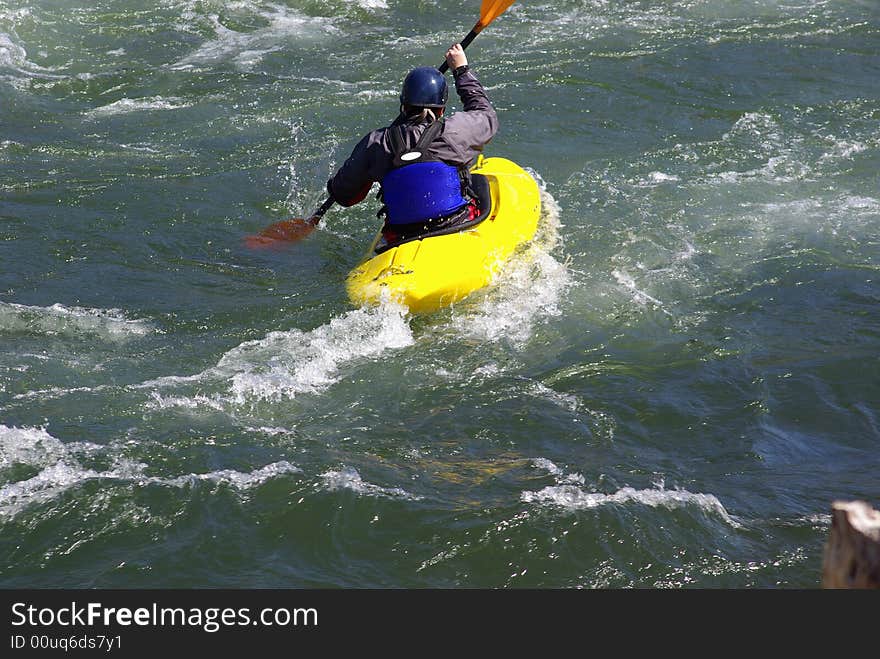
318	214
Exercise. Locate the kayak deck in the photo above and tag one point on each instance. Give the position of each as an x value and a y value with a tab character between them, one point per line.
429	273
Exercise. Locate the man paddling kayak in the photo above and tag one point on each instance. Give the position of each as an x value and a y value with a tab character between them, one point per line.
353	180
422	159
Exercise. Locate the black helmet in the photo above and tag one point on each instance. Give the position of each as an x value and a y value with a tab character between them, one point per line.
424	87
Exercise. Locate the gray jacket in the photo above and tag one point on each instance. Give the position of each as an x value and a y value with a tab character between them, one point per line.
461	141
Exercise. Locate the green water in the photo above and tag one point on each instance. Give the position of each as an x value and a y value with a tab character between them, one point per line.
668	389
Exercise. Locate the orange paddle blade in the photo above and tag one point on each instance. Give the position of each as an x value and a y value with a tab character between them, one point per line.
492	9
286	231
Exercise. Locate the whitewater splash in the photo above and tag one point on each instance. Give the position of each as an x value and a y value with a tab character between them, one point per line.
52	467
131	105
639	296
62	466
246	49
280	366
60	320
15	67
569	494
528	288
286	364
348	478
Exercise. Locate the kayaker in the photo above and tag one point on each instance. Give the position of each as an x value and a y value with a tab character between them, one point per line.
422	159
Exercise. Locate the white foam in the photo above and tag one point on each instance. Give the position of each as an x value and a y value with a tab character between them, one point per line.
285	364
129	105
169	381
856	202
237	479
65	474
61	469
349	479
31	446
819	520
758	128
843	150
486	371
14	58
777	169
687	253
109	324
197	402
59	464
527	288
58	392
548	466
638	296
572	497
272	431
561	477
246	49
373	94
48	484
660	177
568	401
850	215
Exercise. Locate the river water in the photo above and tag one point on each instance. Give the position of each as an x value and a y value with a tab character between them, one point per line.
667	389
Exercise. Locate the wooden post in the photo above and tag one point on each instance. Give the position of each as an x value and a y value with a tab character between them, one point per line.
852	552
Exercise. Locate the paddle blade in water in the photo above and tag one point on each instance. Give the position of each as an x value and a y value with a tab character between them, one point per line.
286	231
492	9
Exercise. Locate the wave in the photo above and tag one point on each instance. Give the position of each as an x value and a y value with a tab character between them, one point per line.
569	494
31	446
281	366
246	49
63	466
60	320
561	477
58	463
349	479
129	105
16	68
286	364
529	286
572	497
237	479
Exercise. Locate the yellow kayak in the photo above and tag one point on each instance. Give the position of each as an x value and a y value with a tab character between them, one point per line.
432	272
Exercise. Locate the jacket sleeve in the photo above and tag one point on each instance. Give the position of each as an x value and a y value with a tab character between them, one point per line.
472	94
469	131
352	181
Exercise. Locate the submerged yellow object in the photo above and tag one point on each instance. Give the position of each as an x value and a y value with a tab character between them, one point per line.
429	273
